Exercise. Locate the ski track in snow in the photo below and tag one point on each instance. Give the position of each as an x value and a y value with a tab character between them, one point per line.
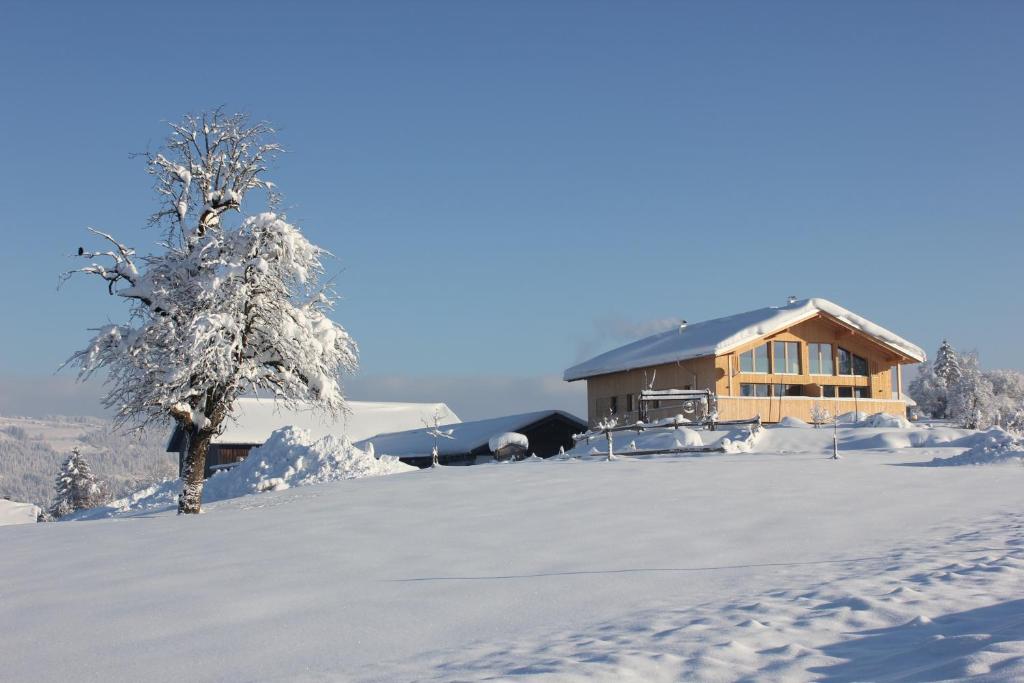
911	614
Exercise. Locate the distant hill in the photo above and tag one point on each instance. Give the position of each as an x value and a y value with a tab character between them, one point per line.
31	450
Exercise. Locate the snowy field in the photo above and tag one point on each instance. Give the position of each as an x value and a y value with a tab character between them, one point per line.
777	564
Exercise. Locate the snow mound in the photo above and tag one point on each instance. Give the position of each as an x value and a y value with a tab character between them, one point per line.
990	447
496	443
742	440
793	422
887	421
291	457
17	513
859	418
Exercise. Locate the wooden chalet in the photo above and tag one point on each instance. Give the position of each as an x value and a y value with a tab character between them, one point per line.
772	362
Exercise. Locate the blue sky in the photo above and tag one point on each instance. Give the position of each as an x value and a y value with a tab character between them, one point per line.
494	178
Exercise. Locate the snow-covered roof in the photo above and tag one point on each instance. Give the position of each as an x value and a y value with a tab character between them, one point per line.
714	337
254	419
466	436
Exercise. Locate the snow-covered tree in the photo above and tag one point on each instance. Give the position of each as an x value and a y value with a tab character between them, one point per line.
934	382
947	364
972	402
1008	388
218	311
820	415
76	487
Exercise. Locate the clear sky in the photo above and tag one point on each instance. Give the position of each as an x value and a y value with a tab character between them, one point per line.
509	186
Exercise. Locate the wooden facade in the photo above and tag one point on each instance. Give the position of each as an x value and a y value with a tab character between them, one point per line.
792	394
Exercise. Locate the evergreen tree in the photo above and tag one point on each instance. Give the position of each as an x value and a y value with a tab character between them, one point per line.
76	487
947	364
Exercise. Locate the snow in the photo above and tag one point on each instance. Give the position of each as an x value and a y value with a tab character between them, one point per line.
254	419
714	337
774	565
12	512
465	436
505	439
993	446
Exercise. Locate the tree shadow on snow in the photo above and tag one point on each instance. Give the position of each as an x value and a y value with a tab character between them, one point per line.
949	647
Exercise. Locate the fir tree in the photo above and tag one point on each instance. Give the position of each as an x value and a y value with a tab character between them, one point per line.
947	364
76	487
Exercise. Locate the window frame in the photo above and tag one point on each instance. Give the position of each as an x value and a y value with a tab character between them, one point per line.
817	348
752	354
853	362
786	357
766	389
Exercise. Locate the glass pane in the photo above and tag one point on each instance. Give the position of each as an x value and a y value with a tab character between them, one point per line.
860	366
826	359
845	362
747	361
761	358
845	392
762	389
828	391
793	357
813	358
746	390
778	356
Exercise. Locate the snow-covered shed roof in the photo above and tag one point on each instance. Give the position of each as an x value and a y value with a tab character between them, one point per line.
718	336
254	419
467	437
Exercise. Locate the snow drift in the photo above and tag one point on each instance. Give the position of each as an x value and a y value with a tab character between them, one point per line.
993	446
17	513
290	457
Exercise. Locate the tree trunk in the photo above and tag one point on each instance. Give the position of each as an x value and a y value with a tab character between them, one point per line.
191	498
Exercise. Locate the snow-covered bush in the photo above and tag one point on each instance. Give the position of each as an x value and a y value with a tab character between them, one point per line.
221	310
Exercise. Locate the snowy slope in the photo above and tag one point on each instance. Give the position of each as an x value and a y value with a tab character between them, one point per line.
775	565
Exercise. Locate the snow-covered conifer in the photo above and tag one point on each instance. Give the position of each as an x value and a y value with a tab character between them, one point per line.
947	364
220	310
76	487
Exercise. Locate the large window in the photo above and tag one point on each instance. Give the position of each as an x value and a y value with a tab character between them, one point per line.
766	390
755	360
787	390
832	391
819	359
852	364
786	358
754	390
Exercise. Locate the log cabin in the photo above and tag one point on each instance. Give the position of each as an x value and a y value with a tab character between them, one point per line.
772	363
